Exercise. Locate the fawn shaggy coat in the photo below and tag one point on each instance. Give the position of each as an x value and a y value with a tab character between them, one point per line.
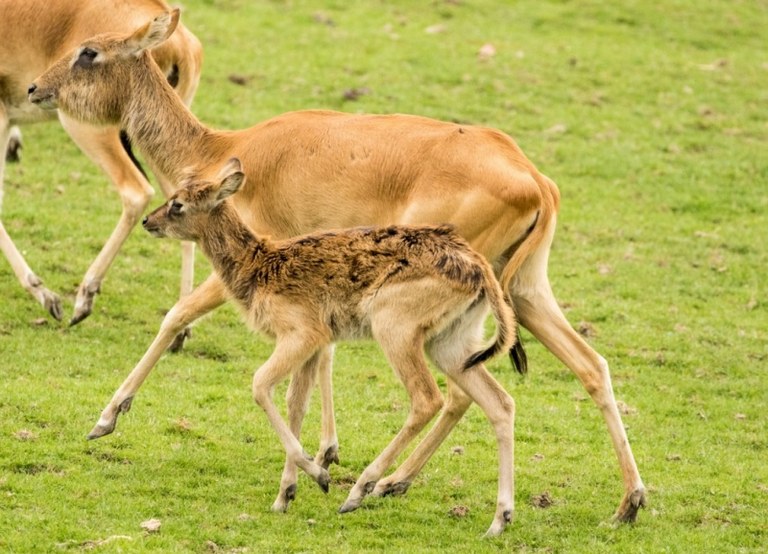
409	287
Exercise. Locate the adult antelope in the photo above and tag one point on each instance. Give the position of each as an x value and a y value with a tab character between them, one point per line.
315	170
34	34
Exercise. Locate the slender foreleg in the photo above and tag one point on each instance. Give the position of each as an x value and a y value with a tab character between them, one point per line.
26	277
297	401
203	299
291	352
102	145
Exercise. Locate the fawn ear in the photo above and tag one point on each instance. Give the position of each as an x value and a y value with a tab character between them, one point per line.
152	33
232	178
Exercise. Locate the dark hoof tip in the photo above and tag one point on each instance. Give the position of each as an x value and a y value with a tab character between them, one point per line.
179	340
325	486
396	489
99	431
56	310
330	456
77	318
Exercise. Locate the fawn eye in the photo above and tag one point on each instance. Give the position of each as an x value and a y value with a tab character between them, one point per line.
86	57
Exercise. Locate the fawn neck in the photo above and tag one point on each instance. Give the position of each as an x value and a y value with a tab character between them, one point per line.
234	250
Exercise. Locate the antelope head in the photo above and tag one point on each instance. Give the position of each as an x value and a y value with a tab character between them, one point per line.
186	214
93	83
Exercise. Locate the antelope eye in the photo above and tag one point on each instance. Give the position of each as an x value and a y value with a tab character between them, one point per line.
86	57
176	207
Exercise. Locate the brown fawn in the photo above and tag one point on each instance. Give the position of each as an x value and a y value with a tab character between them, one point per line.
409	287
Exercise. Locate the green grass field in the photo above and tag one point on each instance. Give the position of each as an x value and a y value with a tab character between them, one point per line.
652	117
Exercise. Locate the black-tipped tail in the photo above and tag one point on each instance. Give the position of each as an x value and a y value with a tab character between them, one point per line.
505	321
519	357
480	357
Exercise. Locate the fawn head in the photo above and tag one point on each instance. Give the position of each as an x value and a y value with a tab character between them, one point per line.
187	213
92	83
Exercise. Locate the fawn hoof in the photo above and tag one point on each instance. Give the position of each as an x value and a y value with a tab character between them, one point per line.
324	480
284	499
630	505
330	456
84	303
178	342
392	489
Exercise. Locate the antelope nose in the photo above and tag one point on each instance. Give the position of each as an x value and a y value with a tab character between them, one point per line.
32	88
145	221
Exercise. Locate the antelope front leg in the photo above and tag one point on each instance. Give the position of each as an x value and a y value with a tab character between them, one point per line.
297	401
203	299
103	146
31	282
187	266
290	352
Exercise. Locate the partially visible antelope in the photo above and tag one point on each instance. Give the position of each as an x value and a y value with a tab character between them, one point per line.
313	170
34	34
408	287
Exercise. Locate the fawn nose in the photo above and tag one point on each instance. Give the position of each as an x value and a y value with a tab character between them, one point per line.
145	221
32	88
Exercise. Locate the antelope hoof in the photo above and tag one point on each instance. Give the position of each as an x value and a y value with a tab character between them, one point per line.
392	489
105	426
330	456
52	303
350	505
49	300
178	341
102	428
84	303
324	480
284	499
498	525
500	522
630	505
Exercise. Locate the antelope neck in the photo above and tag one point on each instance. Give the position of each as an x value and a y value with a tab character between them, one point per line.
162	126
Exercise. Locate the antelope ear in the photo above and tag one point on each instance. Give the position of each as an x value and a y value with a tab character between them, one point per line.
152	33
232	178
232	165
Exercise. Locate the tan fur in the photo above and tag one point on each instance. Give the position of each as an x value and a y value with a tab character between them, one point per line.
35	33
314	170
410	287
